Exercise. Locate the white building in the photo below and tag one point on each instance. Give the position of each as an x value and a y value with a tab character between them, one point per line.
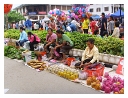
97	9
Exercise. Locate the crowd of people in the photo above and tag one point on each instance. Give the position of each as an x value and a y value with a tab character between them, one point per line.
101	27
58	44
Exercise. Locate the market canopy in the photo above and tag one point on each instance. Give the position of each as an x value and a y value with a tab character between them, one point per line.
95	17
46	19
117	14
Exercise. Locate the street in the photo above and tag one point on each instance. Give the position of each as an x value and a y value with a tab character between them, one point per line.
20	79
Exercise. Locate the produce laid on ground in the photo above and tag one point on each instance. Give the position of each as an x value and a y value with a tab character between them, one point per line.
13	53
107	84
64	71
37	64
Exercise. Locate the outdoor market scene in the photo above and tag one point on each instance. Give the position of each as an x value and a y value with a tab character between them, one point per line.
81	43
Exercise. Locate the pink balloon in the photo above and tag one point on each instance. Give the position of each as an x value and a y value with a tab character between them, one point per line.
73	14
76	16
80	10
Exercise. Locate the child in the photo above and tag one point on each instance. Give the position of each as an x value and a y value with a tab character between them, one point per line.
105	34
96	32
79	29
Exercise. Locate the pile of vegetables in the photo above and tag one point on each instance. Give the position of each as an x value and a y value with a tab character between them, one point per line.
109	45
107	83
13	52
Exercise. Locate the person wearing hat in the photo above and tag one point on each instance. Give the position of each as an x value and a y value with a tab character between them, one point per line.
103	24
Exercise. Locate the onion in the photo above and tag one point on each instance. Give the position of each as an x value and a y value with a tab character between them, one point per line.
114	79
104	81
106	74
107	89
102	88
114	85
118	79
120	87
109	78
116	89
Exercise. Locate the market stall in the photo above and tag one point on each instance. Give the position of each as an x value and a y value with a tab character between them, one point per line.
95	76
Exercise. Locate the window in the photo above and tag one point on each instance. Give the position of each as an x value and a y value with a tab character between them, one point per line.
63	7
29	10
112	9
69	7
98	10
52	7
58	6
23	10
106	8
91	10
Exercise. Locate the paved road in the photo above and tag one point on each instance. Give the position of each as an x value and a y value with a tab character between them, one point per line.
20	79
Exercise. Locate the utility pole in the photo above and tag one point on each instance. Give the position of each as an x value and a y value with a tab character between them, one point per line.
120	14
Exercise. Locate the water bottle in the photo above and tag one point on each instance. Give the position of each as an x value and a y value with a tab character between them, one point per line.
72	65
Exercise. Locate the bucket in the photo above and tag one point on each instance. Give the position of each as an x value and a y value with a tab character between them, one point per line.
43	53
69	60
98	71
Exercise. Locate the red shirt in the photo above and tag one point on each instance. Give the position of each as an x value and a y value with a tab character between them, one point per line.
93	26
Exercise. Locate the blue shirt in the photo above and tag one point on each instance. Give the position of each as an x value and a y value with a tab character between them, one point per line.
73	27
23	36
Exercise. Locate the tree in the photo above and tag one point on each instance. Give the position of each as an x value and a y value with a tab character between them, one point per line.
13	16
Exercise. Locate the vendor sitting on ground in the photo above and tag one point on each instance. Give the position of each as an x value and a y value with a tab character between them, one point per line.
50	40
23	37
34	39
63	44
90	55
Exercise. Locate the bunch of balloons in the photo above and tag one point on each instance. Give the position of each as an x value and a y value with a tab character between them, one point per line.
57	13
79	11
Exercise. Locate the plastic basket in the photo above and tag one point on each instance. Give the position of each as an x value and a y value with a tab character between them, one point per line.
98	71
69	59
43	53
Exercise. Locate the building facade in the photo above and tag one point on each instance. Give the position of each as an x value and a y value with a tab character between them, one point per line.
97	9
39	11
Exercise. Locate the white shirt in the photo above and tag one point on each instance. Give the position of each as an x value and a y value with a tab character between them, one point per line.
116	32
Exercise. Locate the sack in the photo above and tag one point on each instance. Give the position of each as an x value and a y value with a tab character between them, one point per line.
26	45
11	43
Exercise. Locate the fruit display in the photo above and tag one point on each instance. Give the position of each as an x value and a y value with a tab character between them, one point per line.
106	83
64	71
37	64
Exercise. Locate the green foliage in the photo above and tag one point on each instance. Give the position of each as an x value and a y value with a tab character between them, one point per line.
108	45
13	16
12	52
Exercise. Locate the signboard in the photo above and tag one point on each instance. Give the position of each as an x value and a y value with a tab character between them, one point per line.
120	68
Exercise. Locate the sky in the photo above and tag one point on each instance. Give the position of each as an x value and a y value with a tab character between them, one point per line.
15	5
